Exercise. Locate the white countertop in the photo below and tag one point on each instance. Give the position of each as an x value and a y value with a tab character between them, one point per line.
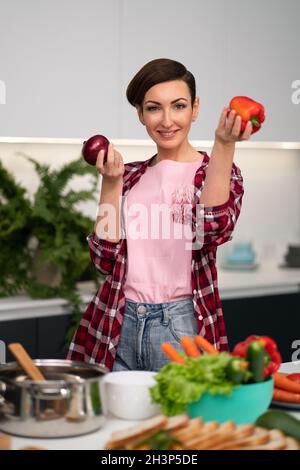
97	440
267	279
21	307
92	441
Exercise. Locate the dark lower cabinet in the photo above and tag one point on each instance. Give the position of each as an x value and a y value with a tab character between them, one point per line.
20	331
51	337
277	316
43	338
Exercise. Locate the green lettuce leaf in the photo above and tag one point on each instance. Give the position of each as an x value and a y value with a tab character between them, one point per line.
179	385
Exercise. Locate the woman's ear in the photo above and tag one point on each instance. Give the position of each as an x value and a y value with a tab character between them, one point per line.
140	113
195	108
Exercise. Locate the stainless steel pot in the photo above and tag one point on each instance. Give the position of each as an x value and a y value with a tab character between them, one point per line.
67	404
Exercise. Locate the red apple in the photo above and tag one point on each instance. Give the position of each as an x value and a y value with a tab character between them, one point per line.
92	147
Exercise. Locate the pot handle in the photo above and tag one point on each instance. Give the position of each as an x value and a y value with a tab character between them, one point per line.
2	389
49	392
2	386
2	352
4	405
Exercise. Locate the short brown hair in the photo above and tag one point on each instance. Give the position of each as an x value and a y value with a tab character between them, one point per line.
158	71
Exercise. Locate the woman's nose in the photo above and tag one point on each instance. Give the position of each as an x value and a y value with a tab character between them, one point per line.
166	120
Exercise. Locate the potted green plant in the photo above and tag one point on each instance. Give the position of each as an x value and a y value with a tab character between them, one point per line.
15	233
45	238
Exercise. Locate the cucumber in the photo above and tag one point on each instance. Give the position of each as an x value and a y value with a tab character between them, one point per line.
256	357
276	419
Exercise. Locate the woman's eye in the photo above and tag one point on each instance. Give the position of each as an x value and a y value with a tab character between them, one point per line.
178	106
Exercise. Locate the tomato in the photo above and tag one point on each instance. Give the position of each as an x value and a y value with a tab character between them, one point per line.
294	377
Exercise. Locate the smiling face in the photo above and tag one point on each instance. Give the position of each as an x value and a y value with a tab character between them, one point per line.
167	114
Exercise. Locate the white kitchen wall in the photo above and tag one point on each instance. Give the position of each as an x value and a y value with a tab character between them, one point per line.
270	215
65	65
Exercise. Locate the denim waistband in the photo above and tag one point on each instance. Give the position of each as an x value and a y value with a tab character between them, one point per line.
160	306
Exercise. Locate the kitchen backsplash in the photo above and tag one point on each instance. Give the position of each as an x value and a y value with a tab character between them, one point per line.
270	216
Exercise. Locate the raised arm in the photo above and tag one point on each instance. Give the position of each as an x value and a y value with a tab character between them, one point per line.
107	225
103	241
223	188
217	182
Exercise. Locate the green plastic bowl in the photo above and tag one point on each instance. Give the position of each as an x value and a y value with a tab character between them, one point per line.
245	405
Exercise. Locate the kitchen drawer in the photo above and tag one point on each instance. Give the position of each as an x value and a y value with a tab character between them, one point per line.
51	336
42	337
20	331
277	316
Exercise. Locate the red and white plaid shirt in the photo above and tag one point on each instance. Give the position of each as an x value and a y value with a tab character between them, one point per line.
97	336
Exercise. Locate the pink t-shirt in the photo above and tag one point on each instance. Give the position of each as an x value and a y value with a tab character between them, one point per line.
157	216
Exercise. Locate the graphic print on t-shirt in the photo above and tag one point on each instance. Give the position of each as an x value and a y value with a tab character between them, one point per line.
181	205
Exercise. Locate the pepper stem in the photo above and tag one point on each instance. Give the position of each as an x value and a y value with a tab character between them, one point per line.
255	121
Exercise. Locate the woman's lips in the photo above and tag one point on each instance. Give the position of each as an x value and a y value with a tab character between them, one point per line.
167	135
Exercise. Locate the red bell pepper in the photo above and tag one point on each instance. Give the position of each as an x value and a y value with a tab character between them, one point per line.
249	110
294	377
272	359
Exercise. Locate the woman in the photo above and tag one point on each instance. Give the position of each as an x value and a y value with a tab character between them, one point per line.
161	286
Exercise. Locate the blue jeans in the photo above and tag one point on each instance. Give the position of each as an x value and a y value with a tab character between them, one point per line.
146	326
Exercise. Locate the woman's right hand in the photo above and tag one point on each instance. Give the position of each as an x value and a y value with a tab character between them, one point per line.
113	169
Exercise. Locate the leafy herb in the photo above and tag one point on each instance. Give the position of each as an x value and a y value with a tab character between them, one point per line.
161	440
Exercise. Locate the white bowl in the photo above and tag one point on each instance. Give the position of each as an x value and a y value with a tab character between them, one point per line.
126	395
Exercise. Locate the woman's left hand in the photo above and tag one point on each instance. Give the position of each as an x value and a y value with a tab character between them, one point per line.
229	128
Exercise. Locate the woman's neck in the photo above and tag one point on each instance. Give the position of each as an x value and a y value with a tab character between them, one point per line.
188	154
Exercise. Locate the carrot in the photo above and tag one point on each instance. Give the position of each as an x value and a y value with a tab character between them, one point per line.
284	396
205	345
189	347
282	382
169	350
